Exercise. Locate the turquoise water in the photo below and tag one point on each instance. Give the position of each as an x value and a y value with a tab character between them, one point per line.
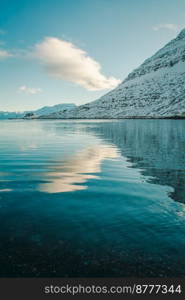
92	198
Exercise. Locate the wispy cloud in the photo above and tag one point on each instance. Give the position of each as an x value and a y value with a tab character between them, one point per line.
2	32
168	26
2	43
64	60
27	90
4	54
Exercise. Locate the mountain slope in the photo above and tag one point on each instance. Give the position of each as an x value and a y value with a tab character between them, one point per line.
155	89
52	109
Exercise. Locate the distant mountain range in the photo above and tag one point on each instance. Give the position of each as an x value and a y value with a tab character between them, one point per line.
155	89
39	112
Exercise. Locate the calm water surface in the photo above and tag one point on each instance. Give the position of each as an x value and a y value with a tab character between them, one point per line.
92	198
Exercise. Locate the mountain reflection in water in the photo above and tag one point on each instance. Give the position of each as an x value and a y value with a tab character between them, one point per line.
157	147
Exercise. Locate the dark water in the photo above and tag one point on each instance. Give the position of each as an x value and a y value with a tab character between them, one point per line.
92	198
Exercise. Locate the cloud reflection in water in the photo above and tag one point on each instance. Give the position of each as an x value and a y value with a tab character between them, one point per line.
72	174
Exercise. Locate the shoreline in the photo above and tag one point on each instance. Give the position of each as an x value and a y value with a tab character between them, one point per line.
125	118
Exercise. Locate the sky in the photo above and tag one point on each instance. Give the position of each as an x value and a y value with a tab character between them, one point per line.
74	51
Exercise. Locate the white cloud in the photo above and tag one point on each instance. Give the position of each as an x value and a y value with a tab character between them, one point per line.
4	54
168	26
28	90
64	60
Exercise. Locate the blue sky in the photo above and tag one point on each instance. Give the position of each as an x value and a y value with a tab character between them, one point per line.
57	51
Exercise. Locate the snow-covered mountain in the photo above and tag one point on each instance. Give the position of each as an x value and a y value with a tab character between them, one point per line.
39	112
155	89
53	109
7	115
